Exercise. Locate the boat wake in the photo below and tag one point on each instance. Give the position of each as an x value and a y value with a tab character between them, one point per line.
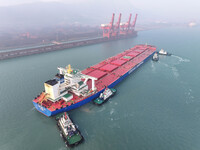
173	69
32	109
86	132
180	58
112	111
62	148
85	109
102	109
153	66
190	96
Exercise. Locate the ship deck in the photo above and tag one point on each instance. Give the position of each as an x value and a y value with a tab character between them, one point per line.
114	67
107	72
74	139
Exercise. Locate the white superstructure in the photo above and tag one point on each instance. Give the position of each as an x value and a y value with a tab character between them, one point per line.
66	124
68	81
162	52
155	57
106	94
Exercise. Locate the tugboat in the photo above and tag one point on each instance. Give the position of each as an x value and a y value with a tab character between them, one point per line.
162	52
155	57
70	134
104	97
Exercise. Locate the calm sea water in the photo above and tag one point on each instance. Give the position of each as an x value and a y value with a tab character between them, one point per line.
155	108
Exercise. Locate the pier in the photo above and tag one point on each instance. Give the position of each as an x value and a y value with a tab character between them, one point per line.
111	32
44	49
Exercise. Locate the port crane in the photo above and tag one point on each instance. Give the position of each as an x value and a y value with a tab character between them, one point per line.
117	27
108	28
132	26
112	31
124	27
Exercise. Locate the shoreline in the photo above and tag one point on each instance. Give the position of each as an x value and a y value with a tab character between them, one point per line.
13	48
48	48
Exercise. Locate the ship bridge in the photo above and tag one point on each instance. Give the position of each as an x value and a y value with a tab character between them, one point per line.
68	72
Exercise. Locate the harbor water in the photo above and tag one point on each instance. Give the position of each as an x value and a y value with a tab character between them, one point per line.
155	108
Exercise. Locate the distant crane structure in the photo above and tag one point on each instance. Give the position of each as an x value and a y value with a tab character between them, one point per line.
108	28
125	26
132	27
117	27
112	30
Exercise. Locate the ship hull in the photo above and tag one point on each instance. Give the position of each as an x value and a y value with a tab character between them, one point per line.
48	113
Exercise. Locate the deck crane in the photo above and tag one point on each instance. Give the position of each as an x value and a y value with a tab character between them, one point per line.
42	97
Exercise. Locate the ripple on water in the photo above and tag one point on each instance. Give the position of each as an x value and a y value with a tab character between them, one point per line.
181	59
112	111
175	71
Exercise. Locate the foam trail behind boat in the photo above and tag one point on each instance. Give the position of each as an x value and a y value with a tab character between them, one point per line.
180	58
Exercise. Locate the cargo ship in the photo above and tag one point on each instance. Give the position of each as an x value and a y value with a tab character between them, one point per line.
72	88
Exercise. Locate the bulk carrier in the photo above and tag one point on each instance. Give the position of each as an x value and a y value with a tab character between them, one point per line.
72	88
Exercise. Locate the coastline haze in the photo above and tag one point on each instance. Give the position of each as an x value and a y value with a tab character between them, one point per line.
36	13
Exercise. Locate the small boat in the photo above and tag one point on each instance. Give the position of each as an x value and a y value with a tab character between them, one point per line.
104	97
155	57
162	52
68	131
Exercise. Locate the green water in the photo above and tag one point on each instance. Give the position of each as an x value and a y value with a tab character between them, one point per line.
155	108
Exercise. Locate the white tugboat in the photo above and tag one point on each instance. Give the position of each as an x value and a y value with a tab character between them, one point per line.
104	97
155	57
71	135
162	52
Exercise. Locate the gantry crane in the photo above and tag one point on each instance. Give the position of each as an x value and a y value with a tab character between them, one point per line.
132	26
108	28
124	27
117	27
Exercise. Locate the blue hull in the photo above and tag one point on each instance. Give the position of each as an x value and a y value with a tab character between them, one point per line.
48	113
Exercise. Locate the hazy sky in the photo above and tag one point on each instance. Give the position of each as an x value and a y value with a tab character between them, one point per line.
17	2
172	7
148	10
164	5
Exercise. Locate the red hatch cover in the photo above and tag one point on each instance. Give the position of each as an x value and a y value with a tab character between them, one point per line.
118	62
119	55
138	51
133	54
124	53
97	74
99	65
126	58
88	70
108	67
